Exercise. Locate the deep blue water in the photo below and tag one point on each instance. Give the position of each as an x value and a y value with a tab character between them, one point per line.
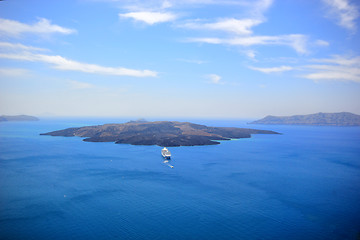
303	184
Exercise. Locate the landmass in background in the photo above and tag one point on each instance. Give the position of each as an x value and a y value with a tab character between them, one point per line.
320	119
5	118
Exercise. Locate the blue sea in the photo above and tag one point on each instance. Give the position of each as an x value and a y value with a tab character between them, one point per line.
302	184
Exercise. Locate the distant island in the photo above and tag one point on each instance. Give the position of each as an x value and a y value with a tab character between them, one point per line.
5	118
161	133
319	119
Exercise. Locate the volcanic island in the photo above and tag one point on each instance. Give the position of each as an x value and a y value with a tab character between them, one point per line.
161	133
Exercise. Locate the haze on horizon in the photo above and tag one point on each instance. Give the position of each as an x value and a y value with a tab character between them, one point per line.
190	58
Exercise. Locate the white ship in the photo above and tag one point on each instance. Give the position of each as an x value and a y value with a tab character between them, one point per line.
166	153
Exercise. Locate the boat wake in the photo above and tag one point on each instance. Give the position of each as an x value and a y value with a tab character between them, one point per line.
166	162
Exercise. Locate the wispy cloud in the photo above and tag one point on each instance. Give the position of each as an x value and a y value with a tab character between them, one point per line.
150	17
80	85
196	61
343	12
240	30
260	7
241	33
214	79
321	43
13	72
340	60
42	26
166	4
18	46
152	4
250	54
272	69
337	68
61	63
231	25
213	2
243	26
296	41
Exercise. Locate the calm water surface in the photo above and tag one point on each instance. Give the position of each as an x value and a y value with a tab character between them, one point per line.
303	184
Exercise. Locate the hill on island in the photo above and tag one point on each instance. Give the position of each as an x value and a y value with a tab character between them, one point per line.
162	133
5	118
320	119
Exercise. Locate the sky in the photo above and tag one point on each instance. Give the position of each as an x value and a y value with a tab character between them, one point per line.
189	58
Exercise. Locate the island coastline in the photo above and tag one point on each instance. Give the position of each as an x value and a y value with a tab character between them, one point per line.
161	133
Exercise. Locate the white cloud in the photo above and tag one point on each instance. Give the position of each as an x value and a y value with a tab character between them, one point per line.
150	17
23	53
337	68
242	27
250	54
260	7
62	63
242	33
339	73
255	6
273	69
214	78
207	40
231	25
17	46
340	60
344	12
43	26
240	30
322	43
297	41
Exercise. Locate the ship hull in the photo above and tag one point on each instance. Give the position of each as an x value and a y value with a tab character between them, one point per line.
166	153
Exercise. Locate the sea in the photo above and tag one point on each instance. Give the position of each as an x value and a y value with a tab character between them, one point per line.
301	184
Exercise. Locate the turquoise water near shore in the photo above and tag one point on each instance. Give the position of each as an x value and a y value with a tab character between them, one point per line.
303	184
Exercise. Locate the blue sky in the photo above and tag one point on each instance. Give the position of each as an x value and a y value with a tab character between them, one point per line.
190	58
